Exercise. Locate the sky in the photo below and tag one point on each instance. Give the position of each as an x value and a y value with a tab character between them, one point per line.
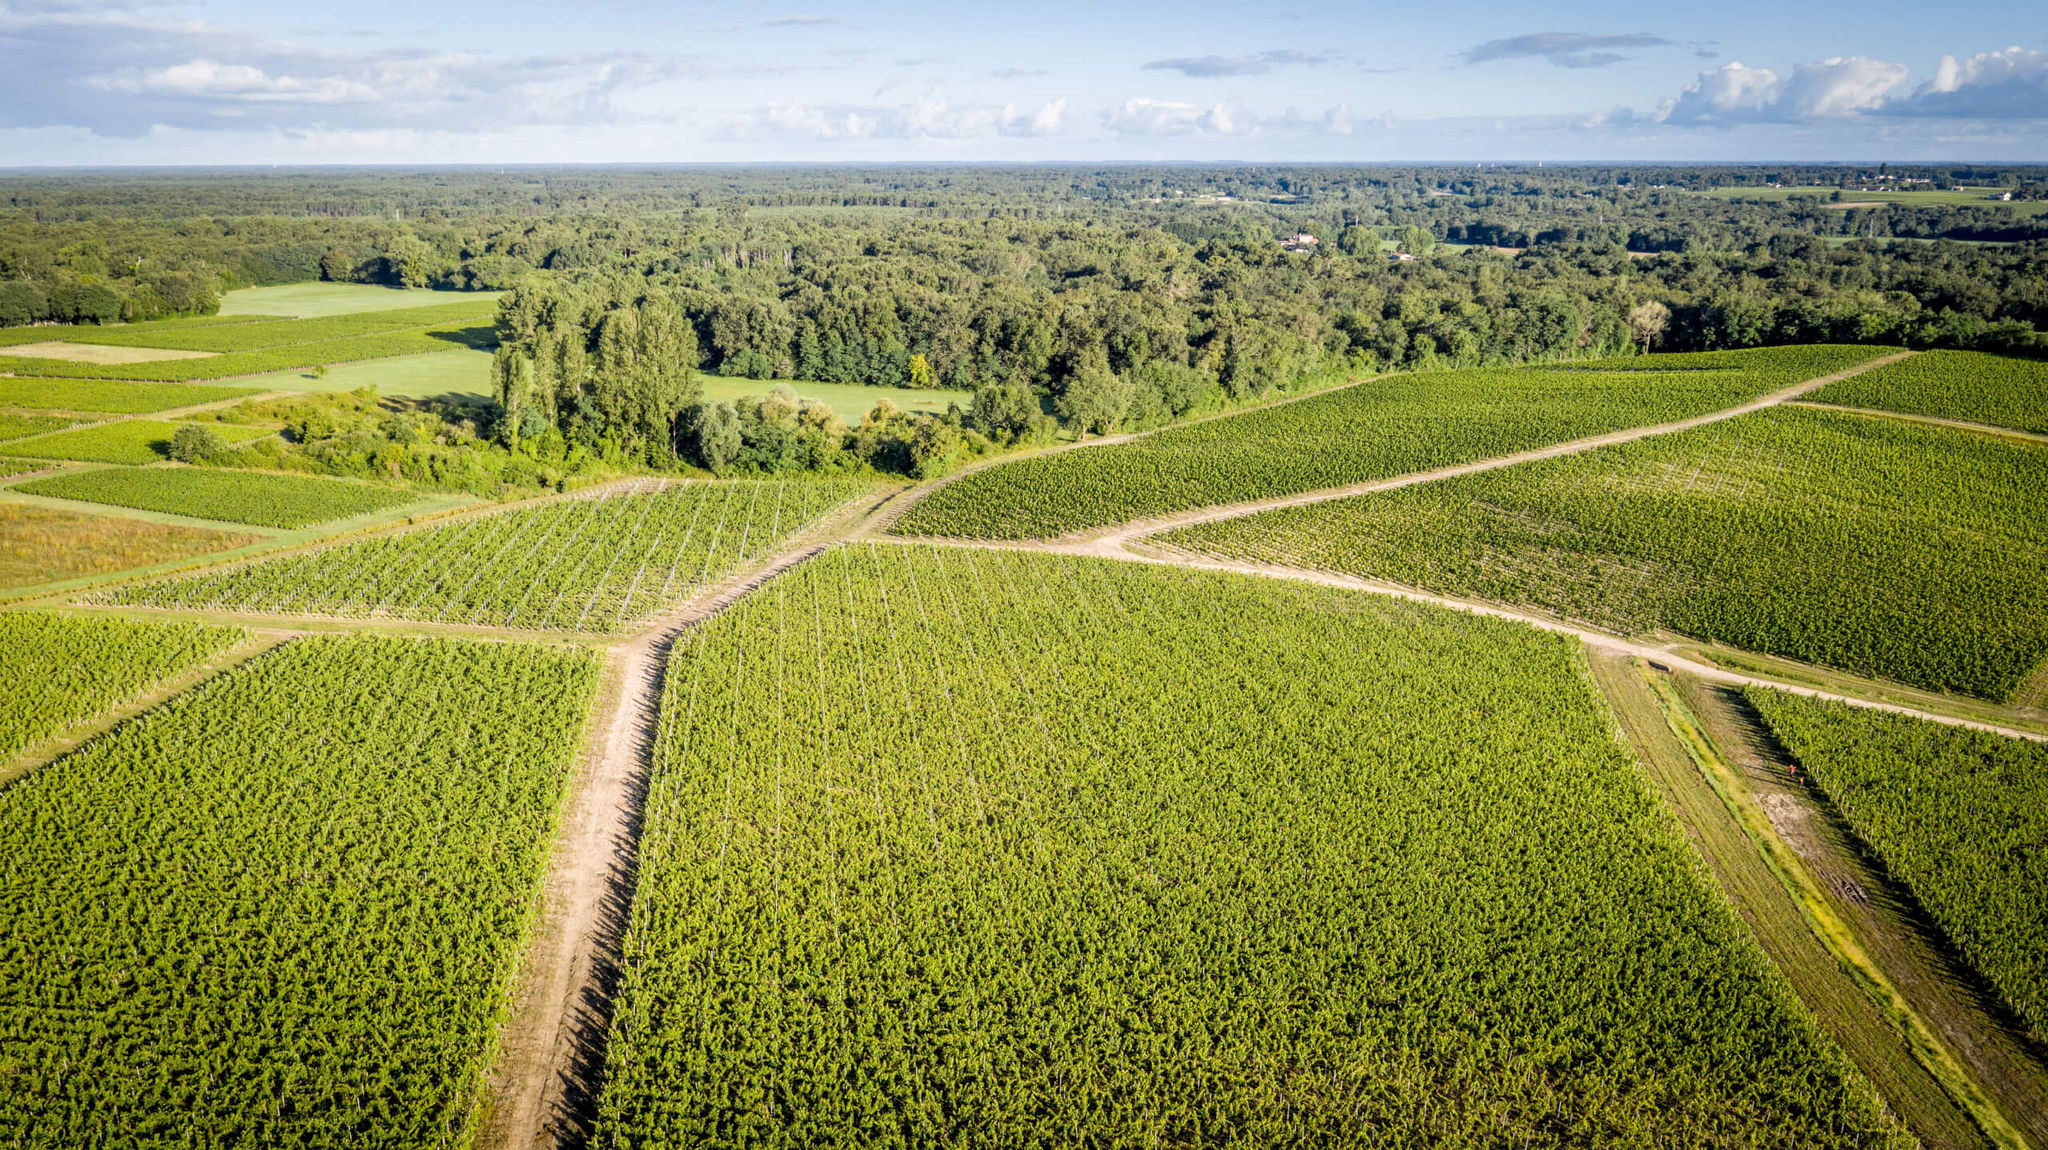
513	81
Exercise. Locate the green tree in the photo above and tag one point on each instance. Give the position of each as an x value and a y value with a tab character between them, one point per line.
192	443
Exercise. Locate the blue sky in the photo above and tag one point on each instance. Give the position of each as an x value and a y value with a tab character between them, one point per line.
139	82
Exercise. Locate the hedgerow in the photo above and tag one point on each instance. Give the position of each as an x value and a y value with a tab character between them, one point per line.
1900	550
284	908
1372	430
950	847
231	496
1959	816
61	669
1965	385
596	564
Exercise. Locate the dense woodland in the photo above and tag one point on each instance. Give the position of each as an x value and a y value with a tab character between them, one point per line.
1066	299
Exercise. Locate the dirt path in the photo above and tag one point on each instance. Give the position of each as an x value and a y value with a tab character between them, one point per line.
1116	538
1932	420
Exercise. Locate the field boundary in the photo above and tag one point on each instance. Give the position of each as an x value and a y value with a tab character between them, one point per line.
1931	420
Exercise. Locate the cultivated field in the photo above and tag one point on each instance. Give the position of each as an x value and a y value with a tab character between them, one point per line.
82	352
852	402
283	501
283	908
1964	385
133	441
18	426
597	564
948	847
313	300
1899	550
112	397
1373	430
60	670
41	545
1959	816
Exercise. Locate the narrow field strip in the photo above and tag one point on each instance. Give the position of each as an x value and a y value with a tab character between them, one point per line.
283	908
114	398
567	565
282	501
1186	858
130	441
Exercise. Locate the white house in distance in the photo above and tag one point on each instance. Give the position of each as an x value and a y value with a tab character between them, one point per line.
1302	242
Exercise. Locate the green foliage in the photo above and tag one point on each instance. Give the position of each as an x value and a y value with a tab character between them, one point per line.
107	396
1885	548
255	334
1963	385
1959	816
1373	430
284	908
62	669
950	847
126	441
598	563
232	496
18	426
193	442
411	341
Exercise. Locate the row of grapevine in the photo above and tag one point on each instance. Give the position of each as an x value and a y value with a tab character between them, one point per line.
125	441
266	333
1373	430
1967	385
60	669
972	847
19	426
41	333
285	908
110	396
598	564
1959	816
378	345
288	501
1899	550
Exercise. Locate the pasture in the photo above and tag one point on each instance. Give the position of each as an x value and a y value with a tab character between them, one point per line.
42	545
315	300
851	402
1898	550
948	846
464	371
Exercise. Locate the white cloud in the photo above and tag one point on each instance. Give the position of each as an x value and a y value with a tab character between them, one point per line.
1337	121
208	79
932	117
1835	88
1839	86
2007	85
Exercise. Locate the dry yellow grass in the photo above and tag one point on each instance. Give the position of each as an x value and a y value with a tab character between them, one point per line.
41	545
96	353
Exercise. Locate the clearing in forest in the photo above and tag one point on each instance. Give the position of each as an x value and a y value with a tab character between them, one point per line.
1898	550
284	907
1373	430
948	845
601	563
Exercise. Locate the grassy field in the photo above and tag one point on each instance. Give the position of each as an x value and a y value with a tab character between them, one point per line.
1373	430
1929	198
948	847
283	501
851	401
1886	548
284	908
1959	816
593	564
133	441
464	371
443	336
1966	385
110	396
311	301
41	545
60	670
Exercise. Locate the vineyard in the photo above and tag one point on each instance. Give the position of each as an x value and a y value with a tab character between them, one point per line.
1372	430
284	908
287	501
1905	551
259	334
1965	385
110	397
1959	816
18	426
951	847
60	670
596	564
377	345
127	441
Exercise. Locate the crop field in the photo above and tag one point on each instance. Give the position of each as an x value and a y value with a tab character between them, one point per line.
594	564
18	426
1959	816
312	300
950	847
377	345
1373	430
39	333
284	907
1911	552
286	501
1967	385
259	334
111	397
62	669
128	441
45	545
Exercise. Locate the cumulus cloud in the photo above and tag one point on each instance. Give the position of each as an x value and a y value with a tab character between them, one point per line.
1257	64
932	117
1564	49
1835	88
2007	85
1147	117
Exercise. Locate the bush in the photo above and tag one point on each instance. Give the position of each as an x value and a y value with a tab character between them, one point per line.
193	443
